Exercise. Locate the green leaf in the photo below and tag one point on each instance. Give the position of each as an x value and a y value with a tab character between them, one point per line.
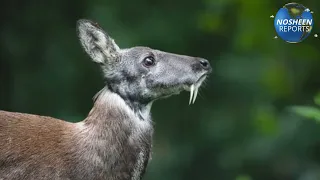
307	112
317	99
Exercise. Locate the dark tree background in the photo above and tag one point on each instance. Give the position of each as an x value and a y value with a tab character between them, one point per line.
240	127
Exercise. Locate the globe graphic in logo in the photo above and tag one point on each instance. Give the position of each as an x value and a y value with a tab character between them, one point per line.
293	22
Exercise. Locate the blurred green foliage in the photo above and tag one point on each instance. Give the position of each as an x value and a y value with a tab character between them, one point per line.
239	128
311	112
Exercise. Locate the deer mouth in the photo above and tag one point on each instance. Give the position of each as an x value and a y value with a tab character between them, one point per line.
193	88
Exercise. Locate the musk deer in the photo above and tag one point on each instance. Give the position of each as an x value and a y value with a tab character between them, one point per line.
114	141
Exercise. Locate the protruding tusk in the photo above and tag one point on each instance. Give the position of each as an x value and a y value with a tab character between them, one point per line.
195	95
191	93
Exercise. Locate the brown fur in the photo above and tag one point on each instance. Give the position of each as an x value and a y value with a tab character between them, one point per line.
105	145
28	140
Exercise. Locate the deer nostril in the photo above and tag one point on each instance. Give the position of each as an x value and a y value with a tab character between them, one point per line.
204	64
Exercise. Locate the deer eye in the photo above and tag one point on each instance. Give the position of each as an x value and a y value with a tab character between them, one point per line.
149	61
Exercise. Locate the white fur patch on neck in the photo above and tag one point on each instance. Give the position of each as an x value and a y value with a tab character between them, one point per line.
138	166
112	100
145	111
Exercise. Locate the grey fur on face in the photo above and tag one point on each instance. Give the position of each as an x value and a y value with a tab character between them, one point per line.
126	74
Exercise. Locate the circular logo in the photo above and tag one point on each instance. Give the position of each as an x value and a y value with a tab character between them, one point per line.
293	22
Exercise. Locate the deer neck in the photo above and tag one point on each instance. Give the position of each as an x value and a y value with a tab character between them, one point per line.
114	135
109	107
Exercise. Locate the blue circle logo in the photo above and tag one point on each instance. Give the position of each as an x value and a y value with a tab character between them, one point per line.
293	22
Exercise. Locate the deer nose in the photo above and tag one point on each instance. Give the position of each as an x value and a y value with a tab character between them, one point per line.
205	64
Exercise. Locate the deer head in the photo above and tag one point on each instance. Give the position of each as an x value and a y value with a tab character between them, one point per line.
141	75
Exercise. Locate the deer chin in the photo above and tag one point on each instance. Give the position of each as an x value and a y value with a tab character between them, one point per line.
193	89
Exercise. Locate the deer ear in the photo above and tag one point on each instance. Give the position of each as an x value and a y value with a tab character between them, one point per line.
96	42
